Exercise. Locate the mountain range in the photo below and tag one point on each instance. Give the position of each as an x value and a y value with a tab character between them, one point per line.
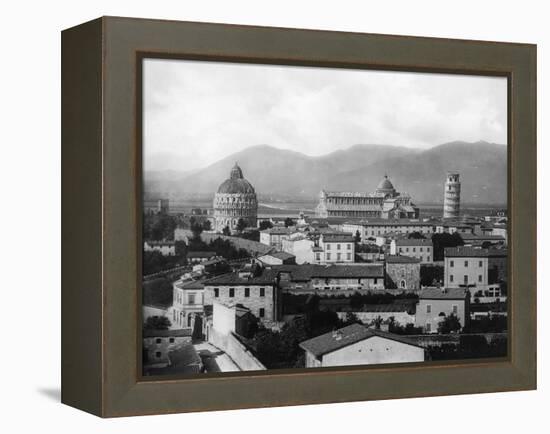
285	173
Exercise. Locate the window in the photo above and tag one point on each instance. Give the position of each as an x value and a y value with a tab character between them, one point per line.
171	340
403	284
414	249
455	309
247	292
465	279
328	246
231	292
452	263
375	281
421	249
262	312
339	256
262	292
348	256
328	256
216	292
451	278
338	246
428	327
158	340
466	263
317	256
480	264
349	246
158	354
191	298
480	278
428	258
428	308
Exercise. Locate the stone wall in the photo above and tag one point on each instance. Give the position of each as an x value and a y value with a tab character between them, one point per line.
240	355
399	273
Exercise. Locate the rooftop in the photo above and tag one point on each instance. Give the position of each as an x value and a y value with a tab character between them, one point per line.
189	285
471	252
343	237
349	335
401	259
267	277
178	333
443	294
309	271
413	242
279	255
201	254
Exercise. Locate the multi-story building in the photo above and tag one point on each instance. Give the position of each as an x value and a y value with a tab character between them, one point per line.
369	230
418	248
275	236
256	290
335	248
473	267
434	304
187	304
333	279
402	272
385	202
303	248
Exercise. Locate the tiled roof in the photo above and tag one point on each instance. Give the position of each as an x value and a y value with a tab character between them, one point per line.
413	242
279	230
178	333
309	271
201	254
391	222
343	337
343	237
194	284
280	255
401	259
471	237
267	277
443	293
471	252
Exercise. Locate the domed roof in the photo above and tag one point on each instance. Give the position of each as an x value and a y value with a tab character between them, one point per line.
236	183
385	184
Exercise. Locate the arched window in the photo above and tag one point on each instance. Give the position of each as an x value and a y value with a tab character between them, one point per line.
403	284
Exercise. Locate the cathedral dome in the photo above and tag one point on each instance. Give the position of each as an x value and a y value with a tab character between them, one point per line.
236	184
385	184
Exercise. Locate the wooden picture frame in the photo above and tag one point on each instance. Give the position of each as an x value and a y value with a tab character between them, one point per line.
101	194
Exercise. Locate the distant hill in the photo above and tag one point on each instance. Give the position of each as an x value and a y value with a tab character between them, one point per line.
280	172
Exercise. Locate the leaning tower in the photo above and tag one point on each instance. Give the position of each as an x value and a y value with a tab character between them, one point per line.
451	206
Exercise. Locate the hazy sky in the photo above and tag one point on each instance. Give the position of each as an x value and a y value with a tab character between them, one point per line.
196	113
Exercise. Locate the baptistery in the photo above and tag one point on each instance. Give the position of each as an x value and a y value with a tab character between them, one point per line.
235	200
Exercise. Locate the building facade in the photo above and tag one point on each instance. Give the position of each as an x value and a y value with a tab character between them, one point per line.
474	267
187	305
257	292
385	202
402	272
369	230
335	249
357	345
275	236
165	248
419	248
451	204
235	200
434	304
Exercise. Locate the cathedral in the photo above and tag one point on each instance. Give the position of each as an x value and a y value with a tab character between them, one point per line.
385	202
235	200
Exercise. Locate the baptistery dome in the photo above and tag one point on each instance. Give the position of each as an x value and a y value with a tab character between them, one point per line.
235	200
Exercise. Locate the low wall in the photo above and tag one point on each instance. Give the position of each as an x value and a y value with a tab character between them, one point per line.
229	344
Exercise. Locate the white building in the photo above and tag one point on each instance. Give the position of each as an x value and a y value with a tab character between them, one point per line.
418	248
166	247
358	345
335	248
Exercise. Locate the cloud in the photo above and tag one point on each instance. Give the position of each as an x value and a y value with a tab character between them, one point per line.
198	112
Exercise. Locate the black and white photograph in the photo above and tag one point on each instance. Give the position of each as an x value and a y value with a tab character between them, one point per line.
312	217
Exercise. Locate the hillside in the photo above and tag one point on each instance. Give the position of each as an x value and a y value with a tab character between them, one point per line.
282	172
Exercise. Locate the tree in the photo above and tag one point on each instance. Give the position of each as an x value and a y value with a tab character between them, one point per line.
357	237
431	274
157	323
207	226
265	224
289	222
196	228
451	324
441	241
416	235
226	231
241	225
